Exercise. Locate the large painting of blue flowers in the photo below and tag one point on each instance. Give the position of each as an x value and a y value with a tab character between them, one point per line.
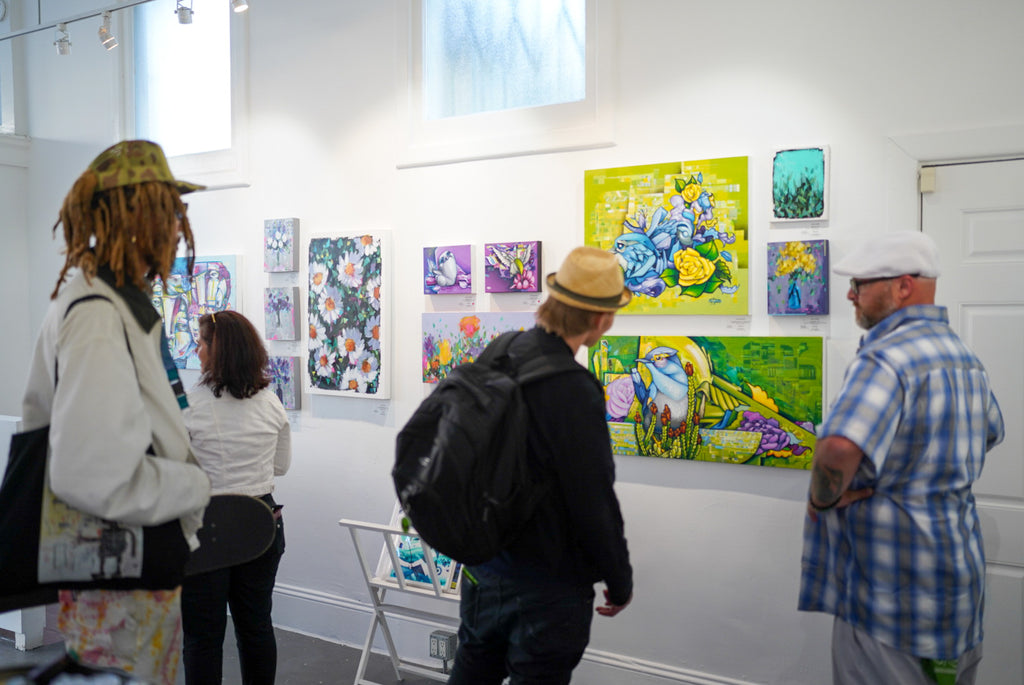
347	314
678	230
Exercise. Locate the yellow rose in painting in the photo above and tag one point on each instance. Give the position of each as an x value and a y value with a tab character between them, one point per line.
691	191
693	268
444	352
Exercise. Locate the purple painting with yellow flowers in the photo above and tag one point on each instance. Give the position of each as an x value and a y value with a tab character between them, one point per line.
798	277
512	267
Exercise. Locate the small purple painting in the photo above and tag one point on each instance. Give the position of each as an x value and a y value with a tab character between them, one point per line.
284	380
798	277
279	313
512	267
447	270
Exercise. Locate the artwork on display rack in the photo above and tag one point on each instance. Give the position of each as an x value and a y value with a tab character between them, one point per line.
448	270
800	180
284	381
450	339
412	560
280	241
279	311
512	267
211	287
347	308
736	400
798	277
679	230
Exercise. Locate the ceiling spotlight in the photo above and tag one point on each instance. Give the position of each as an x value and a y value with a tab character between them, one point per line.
184	12
107	38
62	40
239	5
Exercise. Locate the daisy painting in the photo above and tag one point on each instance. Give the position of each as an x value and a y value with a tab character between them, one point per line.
346	308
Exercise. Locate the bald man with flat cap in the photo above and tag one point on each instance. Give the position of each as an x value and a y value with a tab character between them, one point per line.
892	539
526	613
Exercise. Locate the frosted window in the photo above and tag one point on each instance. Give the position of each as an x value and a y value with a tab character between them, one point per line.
502	54
183	78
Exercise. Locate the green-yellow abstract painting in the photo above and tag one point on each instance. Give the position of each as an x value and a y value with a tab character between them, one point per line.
736	400
679	230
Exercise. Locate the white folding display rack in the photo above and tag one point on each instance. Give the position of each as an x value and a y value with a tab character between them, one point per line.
378	588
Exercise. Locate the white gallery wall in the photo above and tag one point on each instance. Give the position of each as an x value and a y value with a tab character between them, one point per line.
715	548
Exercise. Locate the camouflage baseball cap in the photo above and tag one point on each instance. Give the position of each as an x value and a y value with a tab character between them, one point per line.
135	161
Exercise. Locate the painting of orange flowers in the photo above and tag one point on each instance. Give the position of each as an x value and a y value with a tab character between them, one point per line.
450	339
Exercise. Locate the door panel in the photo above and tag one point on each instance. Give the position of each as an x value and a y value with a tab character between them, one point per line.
976	215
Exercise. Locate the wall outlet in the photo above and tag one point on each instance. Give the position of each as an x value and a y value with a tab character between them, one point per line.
443	645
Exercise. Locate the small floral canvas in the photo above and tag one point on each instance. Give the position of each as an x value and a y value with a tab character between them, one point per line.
280	236
800	184
448	270
452	338
279	310
798	277
284	381
512	267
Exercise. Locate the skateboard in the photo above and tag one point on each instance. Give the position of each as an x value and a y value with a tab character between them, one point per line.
236	529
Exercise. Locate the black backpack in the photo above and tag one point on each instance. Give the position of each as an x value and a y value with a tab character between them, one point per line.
461	470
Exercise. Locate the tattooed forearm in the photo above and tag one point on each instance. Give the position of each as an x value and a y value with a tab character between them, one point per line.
826	484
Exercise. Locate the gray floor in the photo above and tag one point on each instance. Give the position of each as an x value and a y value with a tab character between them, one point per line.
301	660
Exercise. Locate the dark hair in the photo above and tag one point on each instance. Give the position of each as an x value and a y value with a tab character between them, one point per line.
237	358
557	317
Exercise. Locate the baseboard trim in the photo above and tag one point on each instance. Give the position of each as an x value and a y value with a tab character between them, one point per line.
322	608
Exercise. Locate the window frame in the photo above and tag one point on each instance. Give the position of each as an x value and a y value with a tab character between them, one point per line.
226	168
8	110
581	125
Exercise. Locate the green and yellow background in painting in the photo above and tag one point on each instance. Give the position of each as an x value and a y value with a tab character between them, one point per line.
736	400
679	230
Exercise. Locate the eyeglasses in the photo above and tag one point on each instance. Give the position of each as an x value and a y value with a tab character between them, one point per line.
857	283
181	215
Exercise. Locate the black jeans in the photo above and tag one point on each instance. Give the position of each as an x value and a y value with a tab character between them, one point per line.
533	632
248	590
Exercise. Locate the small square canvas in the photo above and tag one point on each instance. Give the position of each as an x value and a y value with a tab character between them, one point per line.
798	277
512	267
800	184
279	312
280	237
448	270
412	560
284	381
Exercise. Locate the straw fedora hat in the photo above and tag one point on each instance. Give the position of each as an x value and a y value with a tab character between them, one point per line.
590	279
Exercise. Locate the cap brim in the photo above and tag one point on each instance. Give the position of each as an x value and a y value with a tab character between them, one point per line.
186	187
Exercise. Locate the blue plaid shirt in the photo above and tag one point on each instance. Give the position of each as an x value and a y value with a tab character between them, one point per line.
906	565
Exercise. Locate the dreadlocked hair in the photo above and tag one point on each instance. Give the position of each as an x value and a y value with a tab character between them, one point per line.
130	229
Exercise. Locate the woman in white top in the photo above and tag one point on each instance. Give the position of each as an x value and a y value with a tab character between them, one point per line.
241	437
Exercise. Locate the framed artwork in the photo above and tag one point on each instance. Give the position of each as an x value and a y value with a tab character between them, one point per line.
448	270
284	381
512	267
211	287
800	180
798	277
450	339
679	230
280	238
412	561
279	313
348	313
735	400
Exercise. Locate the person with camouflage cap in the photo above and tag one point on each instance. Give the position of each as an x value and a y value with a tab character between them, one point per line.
118	444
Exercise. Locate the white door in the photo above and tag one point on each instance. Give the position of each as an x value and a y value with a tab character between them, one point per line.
976	215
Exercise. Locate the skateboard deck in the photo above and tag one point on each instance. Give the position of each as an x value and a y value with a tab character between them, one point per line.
236	529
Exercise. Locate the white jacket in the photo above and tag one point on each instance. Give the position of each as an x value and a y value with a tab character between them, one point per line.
241	444
108	411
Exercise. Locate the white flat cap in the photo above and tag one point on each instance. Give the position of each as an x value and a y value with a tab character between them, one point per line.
893	254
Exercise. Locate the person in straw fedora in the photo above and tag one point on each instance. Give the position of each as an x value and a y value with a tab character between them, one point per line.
528	613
